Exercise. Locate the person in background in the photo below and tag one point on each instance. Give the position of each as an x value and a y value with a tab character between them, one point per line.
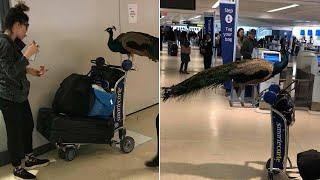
293	47
248	45
218	40
171	38
185	53
240	38
206	51
239	88
284	43
161	36
14	91
311	40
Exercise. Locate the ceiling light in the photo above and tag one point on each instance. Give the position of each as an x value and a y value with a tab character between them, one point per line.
216	4
283	8
197	17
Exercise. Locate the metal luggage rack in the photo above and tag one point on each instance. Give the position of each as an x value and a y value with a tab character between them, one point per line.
68	151
279	162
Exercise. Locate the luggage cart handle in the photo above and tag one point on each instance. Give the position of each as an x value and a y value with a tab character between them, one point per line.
114	66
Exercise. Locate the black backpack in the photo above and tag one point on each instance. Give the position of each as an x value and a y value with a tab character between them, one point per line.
309	164
74	96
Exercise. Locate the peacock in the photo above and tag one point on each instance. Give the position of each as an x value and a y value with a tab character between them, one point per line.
241	72
131	43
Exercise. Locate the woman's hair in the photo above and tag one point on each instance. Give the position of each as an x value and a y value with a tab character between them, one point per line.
238	32
183	35
16	14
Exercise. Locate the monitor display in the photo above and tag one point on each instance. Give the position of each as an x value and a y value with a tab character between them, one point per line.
178	4
309	32
271	57
302	32
318	32
318	59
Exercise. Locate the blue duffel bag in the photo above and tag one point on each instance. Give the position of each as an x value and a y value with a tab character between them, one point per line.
104	103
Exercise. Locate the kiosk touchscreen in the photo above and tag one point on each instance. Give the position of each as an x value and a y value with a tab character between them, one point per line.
271	56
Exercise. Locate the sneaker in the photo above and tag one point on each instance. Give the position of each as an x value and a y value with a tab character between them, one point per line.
33	162
186	72
153	163
22	174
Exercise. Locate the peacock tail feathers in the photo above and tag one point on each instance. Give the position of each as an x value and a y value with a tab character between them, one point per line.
251	71
209	78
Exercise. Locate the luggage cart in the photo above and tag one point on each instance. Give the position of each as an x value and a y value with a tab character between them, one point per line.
281	118
68	146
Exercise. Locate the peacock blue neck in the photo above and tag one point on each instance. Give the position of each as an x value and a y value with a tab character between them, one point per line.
112	44
110	37
279	66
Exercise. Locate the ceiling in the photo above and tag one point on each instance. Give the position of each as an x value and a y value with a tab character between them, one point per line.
253	12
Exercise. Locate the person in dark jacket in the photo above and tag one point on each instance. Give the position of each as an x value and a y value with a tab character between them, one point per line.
206	51
14	91
248	45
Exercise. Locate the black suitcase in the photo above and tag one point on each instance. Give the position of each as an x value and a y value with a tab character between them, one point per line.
309	164
58	128
173	50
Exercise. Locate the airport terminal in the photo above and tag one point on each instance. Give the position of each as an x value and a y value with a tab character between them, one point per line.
240	89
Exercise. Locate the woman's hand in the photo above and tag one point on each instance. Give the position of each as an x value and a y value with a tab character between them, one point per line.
33	72
36	72
32	49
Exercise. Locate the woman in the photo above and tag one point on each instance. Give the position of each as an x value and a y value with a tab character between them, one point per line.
14	90
240	36
207	52
240	39
185	53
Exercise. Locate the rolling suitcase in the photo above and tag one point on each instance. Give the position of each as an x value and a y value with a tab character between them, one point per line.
173	49
65	129
309	164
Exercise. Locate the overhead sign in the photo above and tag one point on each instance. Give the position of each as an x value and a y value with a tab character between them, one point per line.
178	4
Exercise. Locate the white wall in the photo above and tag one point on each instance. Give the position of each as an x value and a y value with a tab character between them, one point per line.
71	33
143	84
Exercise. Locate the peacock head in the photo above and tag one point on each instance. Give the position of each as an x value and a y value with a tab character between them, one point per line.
110	29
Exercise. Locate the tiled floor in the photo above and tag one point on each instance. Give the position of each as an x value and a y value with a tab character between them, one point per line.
102	162
204	138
